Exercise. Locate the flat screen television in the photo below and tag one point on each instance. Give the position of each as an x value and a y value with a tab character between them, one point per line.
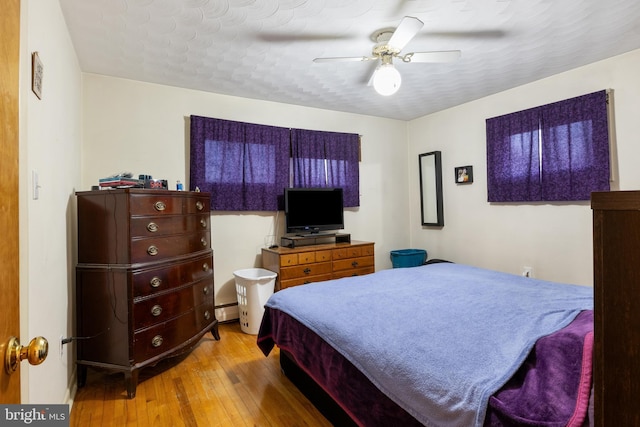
313	210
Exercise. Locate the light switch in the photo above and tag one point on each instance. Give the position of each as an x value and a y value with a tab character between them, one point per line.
36	185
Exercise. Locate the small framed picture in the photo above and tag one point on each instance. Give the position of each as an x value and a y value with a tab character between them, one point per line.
37	71
464	174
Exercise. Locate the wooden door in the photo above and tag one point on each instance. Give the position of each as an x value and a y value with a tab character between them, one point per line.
9	267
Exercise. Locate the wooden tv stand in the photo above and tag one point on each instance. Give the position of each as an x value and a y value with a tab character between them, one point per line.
317	263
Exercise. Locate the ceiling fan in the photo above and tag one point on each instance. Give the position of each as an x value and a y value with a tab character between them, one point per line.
389	44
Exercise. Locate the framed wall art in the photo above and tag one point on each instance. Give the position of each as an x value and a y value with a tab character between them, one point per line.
37	71
464	174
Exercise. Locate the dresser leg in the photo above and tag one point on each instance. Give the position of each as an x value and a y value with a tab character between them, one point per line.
131	381
214	331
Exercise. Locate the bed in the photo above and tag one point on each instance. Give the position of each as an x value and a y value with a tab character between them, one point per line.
437	345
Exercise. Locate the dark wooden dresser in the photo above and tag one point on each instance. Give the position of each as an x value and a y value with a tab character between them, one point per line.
144	279
616	246
317	263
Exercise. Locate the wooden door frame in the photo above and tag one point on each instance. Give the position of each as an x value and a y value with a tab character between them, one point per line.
9	190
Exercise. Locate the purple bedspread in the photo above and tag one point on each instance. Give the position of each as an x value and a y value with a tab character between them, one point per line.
551	388
439	340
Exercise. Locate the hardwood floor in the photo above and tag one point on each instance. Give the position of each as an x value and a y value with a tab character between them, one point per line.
220	383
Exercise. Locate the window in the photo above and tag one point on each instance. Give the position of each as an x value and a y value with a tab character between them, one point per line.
247	166
556	152
244	166
327	159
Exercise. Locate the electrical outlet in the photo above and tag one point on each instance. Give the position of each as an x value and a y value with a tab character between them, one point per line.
527	271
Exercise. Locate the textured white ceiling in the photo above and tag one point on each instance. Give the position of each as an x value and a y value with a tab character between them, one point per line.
263	49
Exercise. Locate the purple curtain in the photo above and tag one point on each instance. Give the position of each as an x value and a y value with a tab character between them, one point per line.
513	165
327	159
308	154
244	166
575	147
571	139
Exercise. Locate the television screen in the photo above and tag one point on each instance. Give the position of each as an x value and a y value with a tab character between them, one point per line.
311	210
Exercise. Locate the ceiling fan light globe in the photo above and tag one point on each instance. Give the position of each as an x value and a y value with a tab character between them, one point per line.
387	80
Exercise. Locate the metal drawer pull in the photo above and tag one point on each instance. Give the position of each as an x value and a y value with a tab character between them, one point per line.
156	310
354	264
306	271
199	205
207	315
152	250
157	341
205	267
160	206
203	223
205	290
203	241
155	282
152	227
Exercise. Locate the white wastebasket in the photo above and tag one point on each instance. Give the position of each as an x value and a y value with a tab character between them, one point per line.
254	286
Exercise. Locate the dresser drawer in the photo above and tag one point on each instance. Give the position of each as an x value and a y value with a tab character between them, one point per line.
350	252
166	336
153	226
353	263
304	280
160	279
352	272
162	203
149	311
353	252
322	256
301	271
288	260
155	204
159	248
305	258
195	205
367	250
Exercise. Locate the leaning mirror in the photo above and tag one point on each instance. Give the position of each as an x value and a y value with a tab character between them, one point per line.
431	188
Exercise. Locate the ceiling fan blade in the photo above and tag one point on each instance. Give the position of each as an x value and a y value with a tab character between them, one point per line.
345	59
437	56
484	34
408	28
288	38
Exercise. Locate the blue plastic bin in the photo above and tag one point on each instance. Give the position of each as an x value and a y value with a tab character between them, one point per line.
403	258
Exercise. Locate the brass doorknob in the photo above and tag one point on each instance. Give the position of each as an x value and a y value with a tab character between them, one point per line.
36	352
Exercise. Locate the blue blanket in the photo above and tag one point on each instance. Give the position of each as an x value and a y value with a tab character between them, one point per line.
440	339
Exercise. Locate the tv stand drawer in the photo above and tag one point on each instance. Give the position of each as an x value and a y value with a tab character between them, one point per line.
305	270
288	260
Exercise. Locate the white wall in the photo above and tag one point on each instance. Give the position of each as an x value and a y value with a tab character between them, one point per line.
50	131
553	238
144	128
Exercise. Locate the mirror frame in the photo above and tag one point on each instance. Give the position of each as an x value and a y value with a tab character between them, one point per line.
431	206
